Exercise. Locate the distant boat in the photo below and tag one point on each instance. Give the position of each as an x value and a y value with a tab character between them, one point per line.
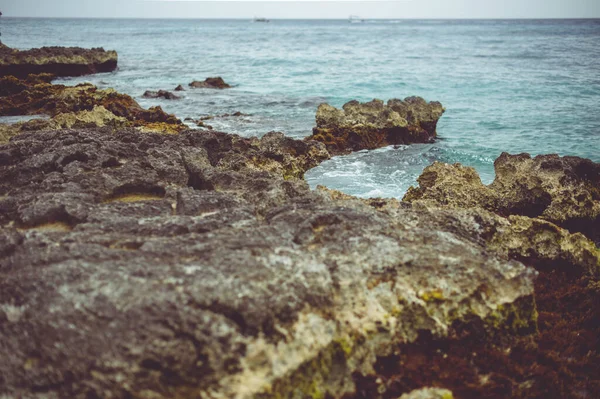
355	19
260	19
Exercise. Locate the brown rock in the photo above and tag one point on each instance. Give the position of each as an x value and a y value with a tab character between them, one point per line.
372	125
561	190
59	61
210	83
167	95
34	98
179	88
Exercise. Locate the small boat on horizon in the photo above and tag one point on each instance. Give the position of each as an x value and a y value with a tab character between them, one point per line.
355	19
260	19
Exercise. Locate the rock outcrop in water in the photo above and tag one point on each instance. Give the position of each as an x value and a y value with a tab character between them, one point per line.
210	83
59	61
371	125
167	95
561	190
84	102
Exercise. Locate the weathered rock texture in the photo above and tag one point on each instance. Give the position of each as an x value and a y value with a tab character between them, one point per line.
59	61
561	190
86	102
374	124
200	265
562	359
210	83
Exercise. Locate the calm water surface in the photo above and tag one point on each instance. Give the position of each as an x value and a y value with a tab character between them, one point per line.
515	86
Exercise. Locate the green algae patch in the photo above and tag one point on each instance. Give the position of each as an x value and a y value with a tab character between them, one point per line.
519	317
315	379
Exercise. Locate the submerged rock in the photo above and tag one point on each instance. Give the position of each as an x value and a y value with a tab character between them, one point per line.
201	264
210	83
59	61
561	190
371	125
167	95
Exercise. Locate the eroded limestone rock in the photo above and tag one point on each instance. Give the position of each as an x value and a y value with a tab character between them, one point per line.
374	124
561	190
199	265
33	97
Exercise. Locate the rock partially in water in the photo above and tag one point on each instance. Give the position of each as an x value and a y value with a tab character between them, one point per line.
30	97
561	190
374	124
59	61
200	264
179	88
210	83
167	95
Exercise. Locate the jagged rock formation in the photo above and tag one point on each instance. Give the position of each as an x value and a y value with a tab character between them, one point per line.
210	83
167	95
59	61
34	96
563	358
359	126
561	190
200	264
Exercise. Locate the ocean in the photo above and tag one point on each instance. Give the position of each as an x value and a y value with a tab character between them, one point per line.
507	85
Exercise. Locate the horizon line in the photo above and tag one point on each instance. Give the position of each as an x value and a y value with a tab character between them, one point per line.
320	19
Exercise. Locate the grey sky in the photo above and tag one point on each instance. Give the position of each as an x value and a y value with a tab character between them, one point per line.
304	9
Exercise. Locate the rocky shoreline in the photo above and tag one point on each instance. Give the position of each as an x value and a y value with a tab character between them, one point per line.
80	106
58	61
141	259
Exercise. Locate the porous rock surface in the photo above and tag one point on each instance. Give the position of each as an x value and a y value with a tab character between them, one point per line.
561	190
59	61
200	265
371	125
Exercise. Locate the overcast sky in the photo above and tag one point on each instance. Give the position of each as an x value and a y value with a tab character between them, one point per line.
303	9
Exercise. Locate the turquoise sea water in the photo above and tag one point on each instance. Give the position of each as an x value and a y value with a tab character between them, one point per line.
515	86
